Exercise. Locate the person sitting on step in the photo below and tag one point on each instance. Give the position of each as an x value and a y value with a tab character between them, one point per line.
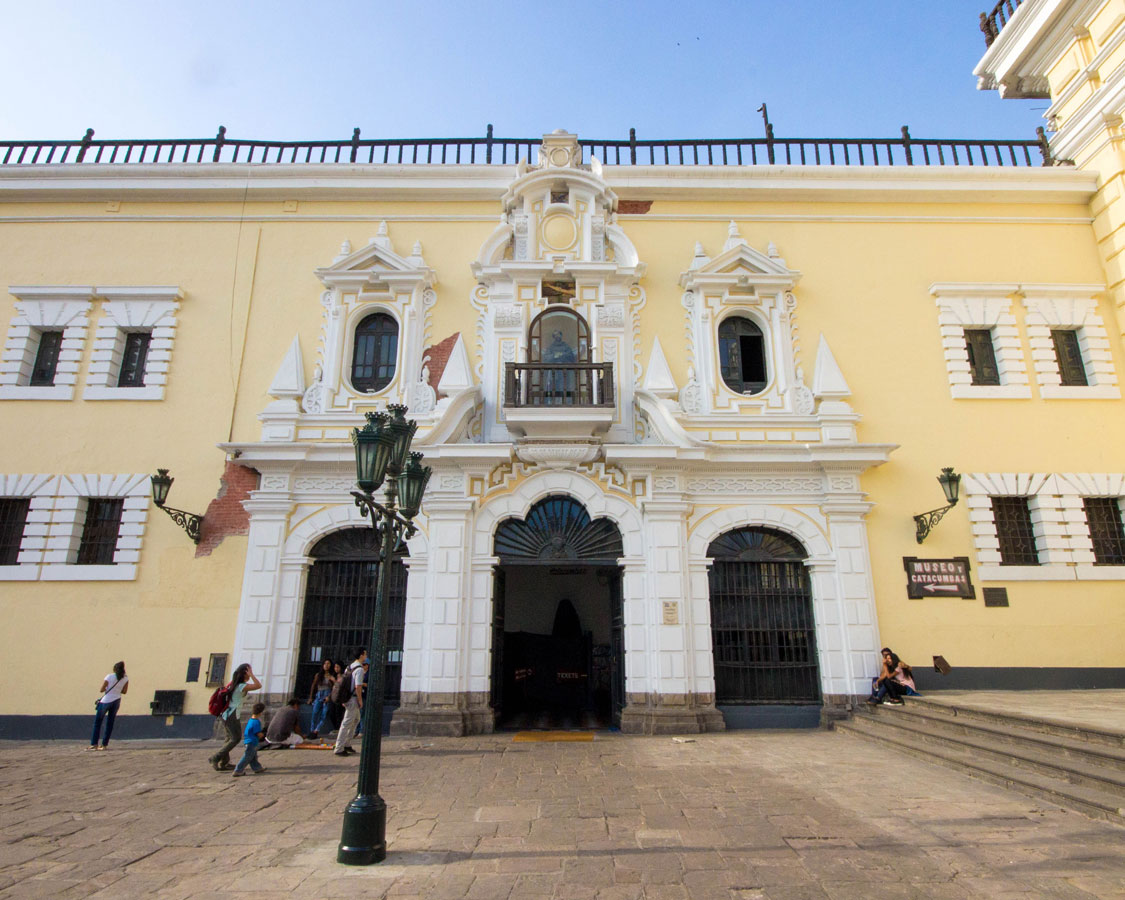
894	681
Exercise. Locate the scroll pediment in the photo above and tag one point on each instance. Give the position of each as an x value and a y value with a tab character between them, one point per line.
739	265
374	264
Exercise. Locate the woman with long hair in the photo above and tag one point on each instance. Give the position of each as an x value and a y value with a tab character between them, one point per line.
894	681
318	697
335	710
242	682
114	686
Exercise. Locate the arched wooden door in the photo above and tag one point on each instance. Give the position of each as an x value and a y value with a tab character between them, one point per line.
762	631
340	606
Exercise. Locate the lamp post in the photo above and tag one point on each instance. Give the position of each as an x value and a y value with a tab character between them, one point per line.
924	522
382	454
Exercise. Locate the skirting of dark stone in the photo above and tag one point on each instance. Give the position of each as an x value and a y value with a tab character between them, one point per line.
1019	679
78	728
738	717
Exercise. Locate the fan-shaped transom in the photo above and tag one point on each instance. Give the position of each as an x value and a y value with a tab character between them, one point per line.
558	528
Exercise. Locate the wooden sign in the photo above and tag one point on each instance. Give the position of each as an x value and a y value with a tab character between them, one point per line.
938	578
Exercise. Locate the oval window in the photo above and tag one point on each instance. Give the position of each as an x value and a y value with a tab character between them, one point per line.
742	355
374	353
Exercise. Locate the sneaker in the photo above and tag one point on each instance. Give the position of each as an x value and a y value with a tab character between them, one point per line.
259	771
873	701
896	703
91	747
238	774
341	753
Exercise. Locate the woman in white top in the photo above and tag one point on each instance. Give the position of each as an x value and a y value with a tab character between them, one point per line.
115	684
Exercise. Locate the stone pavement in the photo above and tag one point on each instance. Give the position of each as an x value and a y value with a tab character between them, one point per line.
735	816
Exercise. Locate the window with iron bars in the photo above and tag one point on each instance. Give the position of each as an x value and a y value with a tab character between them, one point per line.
1107	534
133	359
99	533
46	359
13	518
1015	531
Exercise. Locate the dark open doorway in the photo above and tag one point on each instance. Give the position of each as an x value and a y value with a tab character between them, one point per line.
558	628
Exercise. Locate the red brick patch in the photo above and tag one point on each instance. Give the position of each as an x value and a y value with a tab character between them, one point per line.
437	356
225	514
634	207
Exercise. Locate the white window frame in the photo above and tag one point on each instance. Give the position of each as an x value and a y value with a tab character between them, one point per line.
1069	307
39	309
1051	527
41	490
128	309
970	306
68	516
1073	489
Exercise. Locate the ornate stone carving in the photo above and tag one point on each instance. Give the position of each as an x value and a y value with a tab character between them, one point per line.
843	483
508	351
334	484
691	395
508	316
451	481
666	483
804	403
274	483
792	484
422	396
597	238
520	227
611	316
312	401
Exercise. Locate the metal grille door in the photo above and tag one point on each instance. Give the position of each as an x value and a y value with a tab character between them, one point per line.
762	633
339	608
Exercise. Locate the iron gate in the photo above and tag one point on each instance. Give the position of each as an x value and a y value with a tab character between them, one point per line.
762	629
340	605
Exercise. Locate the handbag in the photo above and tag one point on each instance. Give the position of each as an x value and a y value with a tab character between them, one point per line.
107	690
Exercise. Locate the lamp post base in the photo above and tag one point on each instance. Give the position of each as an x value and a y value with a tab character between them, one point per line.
364	837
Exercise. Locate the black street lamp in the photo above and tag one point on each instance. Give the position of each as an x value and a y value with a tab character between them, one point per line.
382	454
189	522
924	522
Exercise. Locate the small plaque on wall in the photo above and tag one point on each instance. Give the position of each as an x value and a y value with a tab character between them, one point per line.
671	612
995	596
938	578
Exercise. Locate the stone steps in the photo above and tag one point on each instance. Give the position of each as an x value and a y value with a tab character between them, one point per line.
1076	767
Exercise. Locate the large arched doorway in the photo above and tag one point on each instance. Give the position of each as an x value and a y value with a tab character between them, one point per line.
558	647
340	605
762	631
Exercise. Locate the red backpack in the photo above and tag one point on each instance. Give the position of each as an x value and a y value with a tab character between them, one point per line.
220	700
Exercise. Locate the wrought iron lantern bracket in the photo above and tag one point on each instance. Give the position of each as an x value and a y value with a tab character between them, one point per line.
189	522
924	522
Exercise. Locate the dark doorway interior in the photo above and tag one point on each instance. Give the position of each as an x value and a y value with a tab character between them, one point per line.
557	645
340	606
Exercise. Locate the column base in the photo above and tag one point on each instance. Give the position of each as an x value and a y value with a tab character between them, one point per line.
671	714
442	715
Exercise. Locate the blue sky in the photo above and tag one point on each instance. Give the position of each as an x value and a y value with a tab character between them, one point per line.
289	70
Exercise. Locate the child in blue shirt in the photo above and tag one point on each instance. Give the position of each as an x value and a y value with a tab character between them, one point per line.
250	740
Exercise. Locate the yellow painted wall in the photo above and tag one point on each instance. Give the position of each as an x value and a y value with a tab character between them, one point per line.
247	274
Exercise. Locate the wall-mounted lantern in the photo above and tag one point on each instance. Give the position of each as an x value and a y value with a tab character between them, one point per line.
951	484
189	522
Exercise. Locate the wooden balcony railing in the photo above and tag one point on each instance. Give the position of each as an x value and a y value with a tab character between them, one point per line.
541	385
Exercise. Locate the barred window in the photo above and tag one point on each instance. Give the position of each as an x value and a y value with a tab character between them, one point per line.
375	353
1014	529
133	359
982	356
13	518
99	534
46	359
1069	355
1103	516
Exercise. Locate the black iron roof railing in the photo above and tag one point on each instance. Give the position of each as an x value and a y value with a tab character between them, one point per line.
992	23
490	150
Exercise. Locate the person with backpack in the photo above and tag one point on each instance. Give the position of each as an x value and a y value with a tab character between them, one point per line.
348	692
114	685
241	683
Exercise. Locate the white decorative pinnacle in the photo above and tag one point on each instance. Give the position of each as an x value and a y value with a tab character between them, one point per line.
458	373
658	378
701	258
290	378
828	380
734	237
416	255
381	238
345	250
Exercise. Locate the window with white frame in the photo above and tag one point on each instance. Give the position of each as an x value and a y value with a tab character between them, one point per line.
45	342
94	528
133	343
1070	347
1093	506
983	354
1018	526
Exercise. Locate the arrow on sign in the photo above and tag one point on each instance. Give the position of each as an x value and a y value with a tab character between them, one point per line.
931	587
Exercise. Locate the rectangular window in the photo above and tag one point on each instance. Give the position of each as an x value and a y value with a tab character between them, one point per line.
99	534
1014	529
133	359
1103	515
13	518
1071	369
46	359
982	356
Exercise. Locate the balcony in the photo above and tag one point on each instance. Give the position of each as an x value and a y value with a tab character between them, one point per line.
553	401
